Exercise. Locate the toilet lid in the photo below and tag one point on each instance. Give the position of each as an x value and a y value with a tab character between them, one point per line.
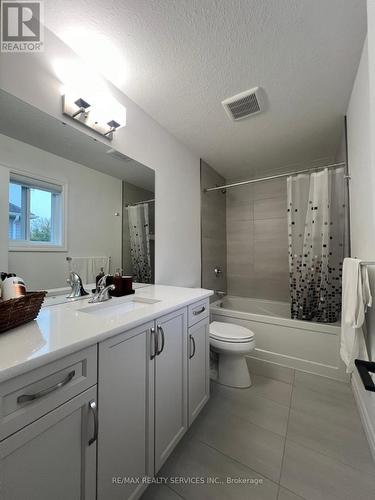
229	332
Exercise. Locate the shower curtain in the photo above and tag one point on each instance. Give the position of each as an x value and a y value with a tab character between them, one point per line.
316	222
139	233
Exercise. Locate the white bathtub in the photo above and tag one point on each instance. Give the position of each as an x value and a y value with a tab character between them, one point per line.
303	345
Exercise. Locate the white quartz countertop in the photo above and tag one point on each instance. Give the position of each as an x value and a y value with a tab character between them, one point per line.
63	329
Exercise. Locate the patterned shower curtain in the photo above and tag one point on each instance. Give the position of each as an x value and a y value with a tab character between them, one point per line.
316	222
139	230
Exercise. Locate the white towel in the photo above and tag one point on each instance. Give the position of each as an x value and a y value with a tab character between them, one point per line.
89	267
356	297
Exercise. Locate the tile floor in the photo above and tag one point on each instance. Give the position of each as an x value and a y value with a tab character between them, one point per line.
300	438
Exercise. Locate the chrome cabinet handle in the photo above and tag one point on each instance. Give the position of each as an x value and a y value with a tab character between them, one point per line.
196	313
94	409
153	343
37	395
192	339
159	351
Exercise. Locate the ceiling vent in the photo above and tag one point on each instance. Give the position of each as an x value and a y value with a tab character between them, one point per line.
245	104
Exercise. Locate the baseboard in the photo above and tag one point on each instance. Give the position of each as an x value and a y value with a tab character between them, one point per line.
368	421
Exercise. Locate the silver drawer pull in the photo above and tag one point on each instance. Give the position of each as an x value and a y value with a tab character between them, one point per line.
153	343
160	350
24	398
94	409
192	352
196	313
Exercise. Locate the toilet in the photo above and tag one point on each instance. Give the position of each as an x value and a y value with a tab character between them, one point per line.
232	343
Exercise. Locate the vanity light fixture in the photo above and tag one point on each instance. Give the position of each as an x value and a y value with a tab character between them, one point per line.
82	107
104	118
113	127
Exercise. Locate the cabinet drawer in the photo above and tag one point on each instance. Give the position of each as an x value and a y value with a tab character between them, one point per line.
198	311
54	457
27	397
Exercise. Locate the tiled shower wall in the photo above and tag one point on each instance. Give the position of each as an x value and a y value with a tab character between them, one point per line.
257	240
214	245
244	232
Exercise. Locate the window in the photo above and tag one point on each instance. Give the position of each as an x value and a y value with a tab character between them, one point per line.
35	213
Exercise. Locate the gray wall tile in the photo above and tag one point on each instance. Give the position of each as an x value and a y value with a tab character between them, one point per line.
270	208
214	234
275	188
245	233
257	241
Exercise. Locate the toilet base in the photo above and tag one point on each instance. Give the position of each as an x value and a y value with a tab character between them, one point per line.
233	371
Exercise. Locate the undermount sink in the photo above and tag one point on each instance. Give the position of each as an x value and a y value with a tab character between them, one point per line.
116	308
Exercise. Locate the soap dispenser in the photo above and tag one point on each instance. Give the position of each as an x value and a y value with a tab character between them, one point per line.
117	281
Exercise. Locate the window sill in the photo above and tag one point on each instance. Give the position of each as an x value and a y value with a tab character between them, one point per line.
37	248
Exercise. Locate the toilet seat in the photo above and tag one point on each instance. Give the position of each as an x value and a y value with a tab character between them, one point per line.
229	332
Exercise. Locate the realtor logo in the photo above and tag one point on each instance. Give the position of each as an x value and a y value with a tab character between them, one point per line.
21	26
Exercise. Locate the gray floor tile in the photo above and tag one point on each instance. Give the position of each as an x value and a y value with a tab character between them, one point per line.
317	477
239	434
268	388
340	410
270	370
333	388
160	492
247	404
259	449
195	460
285	494
345	443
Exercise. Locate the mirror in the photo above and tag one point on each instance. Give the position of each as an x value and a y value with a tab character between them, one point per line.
73	202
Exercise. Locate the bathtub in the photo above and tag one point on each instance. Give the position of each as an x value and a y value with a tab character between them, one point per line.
302	345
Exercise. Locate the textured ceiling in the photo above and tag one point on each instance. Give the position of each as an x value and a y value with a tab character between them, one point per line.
178	59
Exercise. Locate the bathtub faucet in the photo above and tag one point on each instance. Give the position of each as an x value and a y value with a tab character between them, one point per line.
220	293
218	272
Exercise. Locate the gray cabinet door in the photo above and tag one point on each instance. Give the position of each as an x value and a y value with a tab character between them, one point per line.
170	384
199	364
51	458
125	396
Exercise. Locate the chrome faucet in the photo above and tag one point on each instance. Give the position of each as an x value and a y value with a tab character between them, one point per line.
76	284
102	291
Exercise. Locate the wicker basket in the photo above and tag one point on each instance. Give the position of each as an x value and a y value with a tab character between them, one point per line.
16	312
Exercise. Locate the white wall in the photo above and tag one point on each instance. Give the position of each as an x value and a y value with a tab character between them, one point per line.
92	200
359	160
31	77
361	155
4	179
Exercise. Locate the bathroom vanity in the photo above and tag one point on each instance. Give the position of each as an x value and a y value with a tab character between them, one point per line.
94	398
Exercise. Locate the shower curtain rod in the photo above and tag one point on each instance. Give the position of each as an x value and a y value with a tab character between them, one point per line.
251	181
139	203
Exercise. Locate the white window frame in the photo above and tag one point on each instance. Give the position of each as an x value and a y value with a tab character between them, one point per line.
31	246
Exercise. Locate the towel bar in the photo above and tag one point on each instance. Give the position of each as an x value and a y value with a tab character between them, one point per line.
364	368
